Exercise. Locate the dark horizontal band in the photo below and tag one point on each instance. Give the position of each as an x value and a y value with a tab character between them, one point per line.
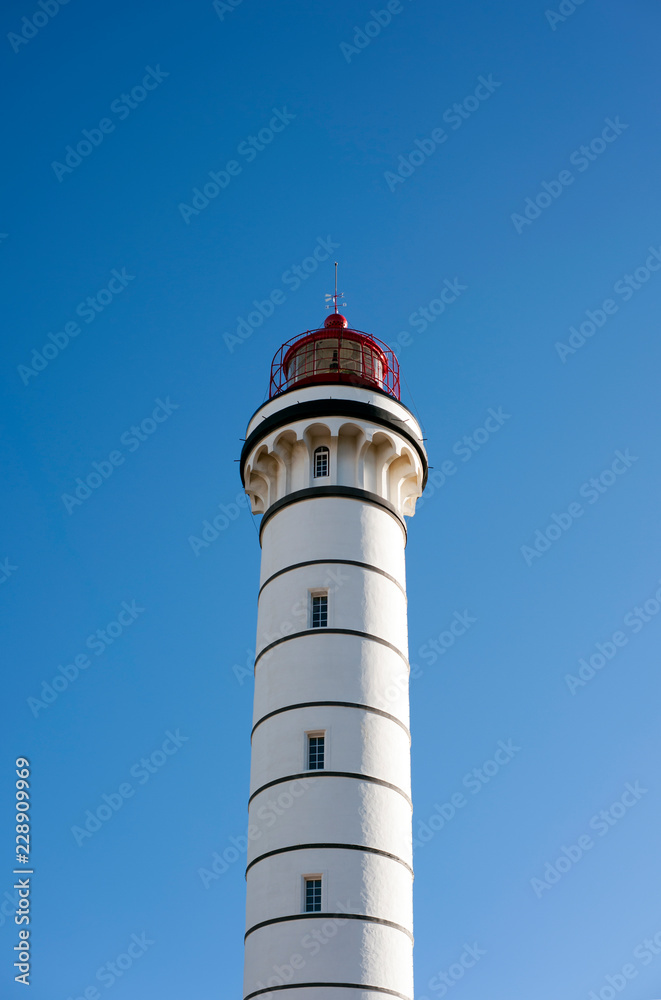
329	916
323	773
334	562
321	492
341	986
330	631
332	408
330	847
332	704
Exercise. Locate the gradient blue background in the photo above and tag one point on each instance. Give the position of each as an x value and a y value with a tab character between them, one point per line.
180	664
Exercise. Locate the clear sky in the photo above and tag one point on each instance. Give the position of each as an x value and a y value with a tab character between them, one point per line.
534	205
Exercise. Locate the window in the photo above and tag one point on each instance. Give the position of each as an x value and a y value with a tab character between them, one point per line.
321	456
316	752
312	895
319	610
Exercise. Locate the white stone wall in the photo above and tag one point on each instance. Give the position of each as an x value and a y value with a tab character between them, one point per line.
359	599
332	810
331	668
366	804
357	740
359	952
323	530
358	882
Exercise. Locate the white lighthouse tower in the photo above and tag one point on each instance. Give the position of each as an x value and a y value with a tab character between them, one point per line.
334	462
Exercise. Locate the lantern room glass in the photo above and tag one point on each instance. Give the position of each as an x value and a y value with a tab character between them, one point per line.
332	355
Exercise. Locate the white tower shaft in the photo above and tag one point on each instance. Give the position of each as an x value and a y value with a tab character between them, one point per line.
329	876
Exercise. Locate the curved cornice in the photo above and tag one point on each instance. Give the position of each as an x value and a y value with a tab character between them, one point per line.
351	408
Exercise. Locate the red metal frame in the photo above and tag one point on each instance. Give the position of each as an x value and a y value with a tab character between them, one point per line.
388	381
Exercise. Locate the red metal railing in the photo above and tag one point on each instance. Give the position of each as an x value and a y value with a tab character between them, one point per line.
331	355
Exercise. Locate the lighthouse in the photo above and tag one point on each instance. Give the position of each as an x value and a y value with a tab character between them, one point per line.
334	463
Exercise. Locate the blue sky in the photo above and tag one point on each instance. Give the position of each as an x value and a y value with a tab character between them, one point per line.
496	538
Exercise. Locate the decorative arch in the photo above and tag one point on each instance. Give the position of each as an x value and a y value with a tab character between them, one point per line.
351	453
317	436
349	439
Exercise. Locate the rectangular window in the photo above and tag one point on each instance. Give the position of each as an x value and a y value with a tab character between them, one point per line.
319	610
312	895
321	462
316	753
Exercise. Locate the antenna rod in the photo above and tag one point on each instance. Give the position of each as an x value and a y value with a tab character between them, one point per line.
335	296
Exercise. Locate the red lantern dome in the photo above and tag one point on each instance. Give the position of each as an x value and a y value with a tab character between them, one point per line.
334	353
